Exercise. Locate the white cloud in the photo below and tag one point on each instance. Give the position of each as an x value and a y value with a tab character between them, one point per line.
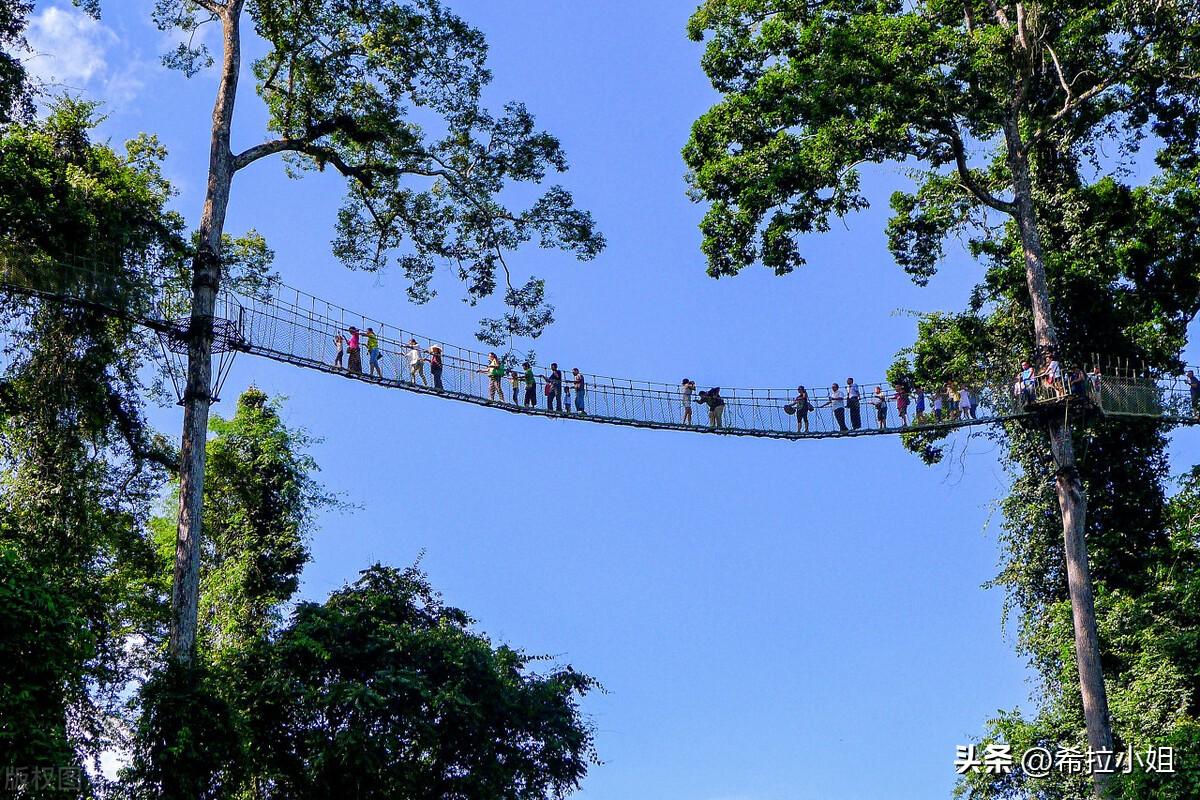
72	51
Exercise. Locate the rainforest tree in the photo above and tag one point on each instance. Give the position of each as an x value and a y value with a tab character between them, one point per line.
79	467
381	691
1004	106
388	94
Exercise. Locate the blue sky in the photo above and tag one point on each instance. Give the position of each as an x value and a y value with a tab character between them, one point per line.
799	620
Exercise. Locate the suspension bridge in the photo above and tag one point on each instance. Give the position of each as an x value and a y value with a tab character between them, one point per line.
287	325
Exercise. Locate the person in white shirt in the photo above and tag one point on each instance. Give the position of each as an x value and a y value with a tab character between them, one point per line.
879	400
416	364
838	401
966	403
685	394
1052	375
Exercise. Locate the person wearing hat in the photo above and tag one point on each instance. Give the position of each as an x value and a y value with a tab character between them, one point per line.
416	364
353	356
435	365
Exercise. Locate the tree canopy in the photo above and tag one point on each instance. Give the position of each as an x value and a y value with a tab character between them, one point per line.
813	89
389	94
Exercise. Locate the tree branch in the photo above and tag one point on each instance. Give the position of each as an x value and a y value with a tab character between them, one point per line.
967	178
1075	101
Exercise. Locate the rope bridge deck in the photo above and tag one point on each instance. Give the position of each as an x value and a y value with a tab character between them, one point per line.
290	326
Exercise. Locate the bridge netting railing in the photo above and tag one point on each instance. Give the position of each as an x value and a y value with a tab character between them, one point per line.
287	324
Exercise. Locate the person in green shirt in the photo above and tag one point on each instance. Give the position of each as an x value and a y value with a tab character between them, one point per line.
373	352
531	400
495	373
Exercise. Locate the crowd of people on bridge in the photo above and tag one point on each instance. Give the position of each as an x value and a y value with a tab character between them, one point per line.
946	403
562	394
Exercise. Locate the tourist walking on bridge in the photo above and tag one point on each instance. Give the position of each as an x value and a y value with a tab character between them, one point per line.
435	365
1194	389
373	353
416	364
801	408
495	373
514	379
339	342
879	400
353	356
920	408
685	392
554	388
902	404
579	389
838	401
530	386
853	401
966	403
716	406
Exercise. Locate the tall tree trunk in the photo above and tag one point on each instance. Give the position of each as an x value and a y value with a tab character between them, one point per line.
1072	501
206	281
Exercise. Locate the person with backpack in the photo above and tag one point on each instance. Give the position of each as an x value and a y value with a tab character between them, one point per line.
716	406
495	373
902	404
